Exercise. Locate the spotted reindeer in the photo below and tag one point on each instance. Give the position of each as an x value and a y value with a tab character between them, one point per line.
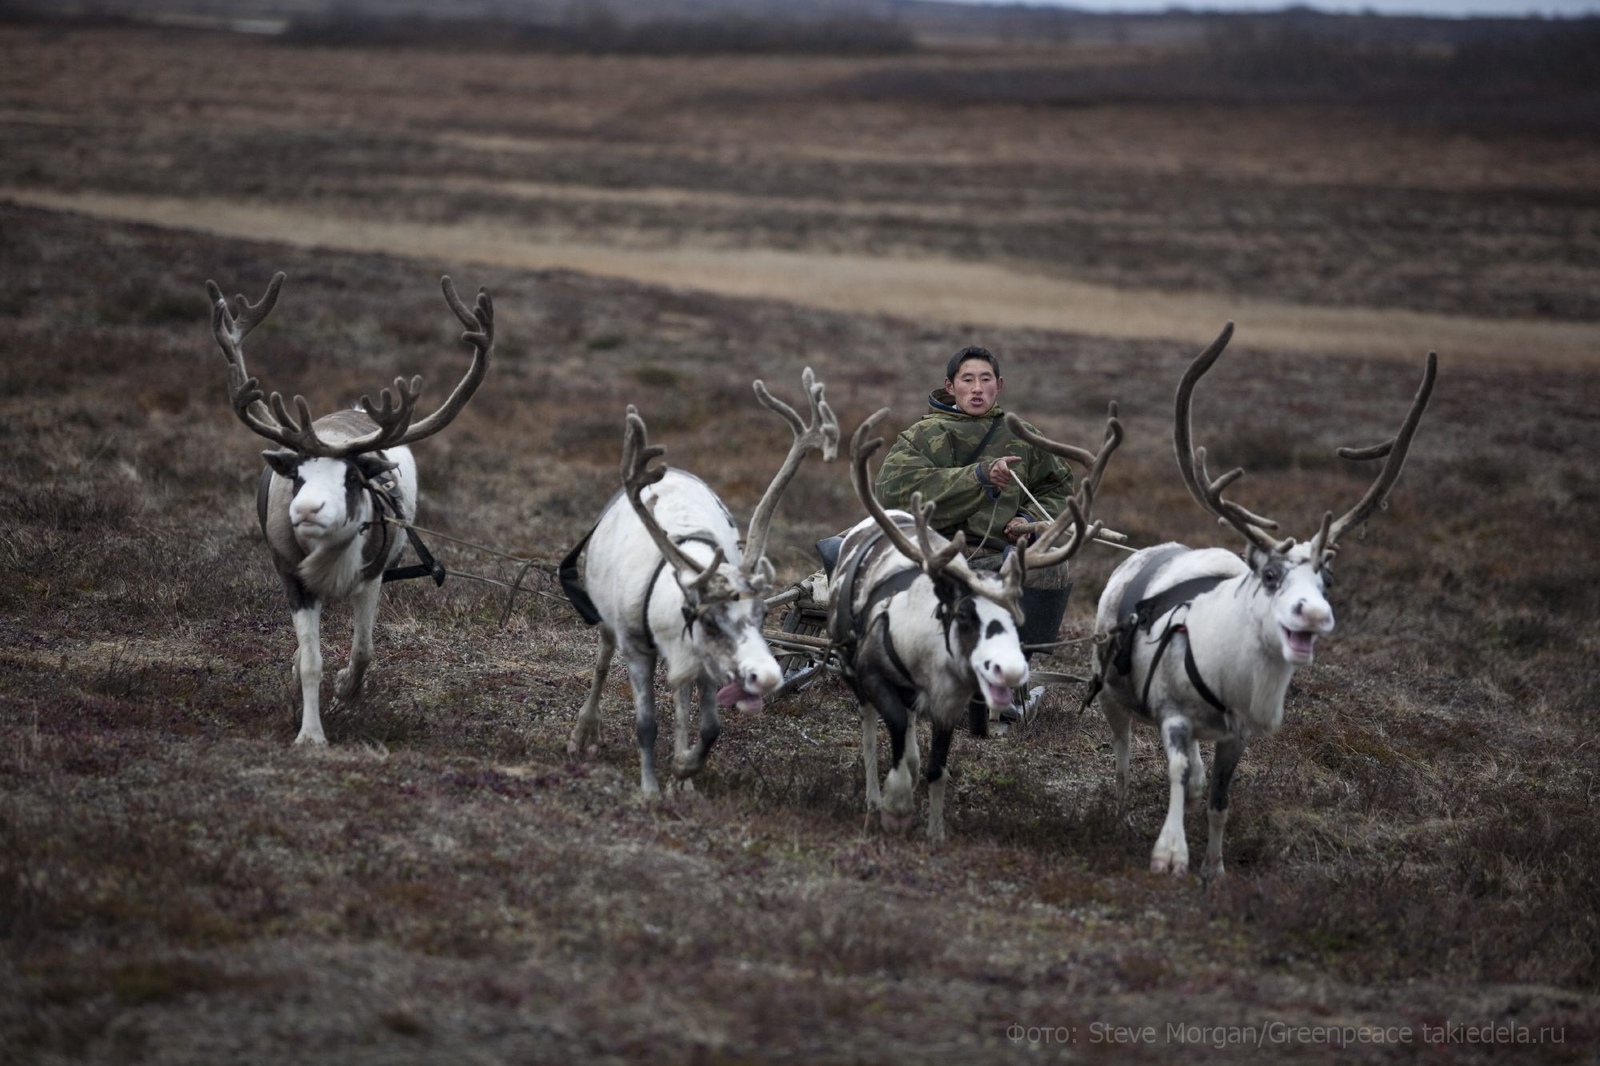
922	632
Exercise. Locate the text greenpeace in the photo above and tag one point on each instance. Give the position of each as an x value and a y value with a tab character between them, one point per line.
1280	1034
1277	1033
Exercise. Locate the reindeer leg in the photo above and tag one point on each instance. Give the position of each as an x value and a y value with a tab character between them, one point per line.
586	733
1197	772
308	670
869	752
1172	850
690	761
1118	719
938	754
365	610
642	672
682	706
899	799
1226	759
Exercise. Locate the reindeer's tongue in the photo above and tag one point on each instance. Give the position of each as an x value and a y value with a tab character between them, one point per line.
998	695
1302	643
734	693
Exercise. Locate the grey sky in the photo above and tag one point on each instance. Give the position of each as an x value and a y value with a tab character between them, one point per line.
1444	8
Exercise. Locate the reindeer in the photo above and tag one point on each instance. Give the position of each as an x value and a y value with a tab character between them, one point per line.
327	492
922	631
668	577
1241	626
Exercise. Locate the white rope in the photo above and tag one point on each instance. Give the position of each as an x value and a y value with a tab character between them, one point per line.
1100	539
1047	516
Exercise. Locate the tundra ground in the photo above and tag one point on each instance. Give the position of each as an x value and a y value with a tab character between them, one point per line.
1416	851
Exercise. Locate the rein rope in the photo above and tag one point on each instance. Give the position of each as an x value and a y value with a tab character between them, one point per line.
547	568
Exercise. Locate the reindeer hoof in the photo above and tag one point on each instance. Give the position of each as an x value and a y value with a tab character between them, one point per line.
313	740
583	741
348	684
1176	867
897	823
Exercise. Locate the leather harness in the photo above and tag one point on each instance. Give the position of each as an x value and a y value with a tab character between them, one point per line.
578	596
384	498
844	592
1138	613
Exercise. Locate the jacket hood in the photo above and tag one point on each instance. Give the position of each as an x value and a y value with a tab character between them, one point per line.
941	402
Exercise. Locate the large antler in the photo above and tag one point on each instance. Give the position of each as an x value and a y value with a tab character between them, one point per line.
1393	451
922	553
637	475
271	418
822	433
1045	551
1192	461
479	320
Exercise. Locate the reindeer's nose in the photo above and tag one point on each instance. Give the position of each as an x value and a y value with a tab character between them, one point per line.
762	679
1316	615
1003	672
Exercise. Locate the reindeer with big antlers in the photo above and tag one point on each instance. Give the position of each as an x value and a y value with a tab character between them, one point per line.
922	631
1201	644
328	489
667	577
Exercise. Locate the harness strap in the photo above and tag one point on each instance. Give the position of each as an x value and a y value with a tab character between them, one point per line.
844	590
1150	609
649	590
1121	647
892	585
428	567
1193	671
1138	613
994	424
384	498
907	690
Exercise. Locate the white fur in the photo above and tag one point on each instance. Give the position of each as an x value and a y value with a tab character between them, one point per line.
621	566
331	538
1240	633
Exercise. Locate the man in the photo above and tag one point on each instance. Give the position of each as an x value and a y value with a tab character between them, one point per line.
961	457
964	461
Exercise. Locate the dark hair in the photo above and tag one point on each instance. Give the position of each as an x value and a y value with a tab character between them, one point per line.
972	351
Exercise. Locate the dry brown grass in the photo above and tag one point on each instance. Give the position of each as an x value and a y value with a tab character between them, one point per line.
178	885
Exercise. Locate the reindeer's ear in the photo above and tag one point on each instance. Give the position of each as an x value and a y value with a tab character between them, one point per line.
373	465
284	462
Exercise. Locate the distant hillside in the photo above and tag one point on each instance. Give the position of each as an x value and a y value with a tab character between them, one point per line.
802	25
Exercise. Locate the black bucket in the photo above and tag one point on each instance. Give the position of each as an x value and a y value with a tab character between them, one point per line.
1042	611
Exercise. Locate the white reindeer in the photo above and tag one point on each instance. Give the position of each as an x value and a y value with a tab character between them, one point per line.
922	631
1201	644
325	494
667	576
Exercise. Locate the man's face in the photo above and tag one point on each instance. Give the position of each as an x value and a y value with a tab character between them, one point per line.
975	387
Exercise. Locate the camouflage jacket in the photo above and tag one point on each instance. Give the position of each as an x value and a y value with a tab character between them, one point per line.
935	457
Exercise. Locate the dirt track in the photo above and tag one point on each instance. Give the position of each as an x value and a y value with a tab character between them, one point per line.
926	288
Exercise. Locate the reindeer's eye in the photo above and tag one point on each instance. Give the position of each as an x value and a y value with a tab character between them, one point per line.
1272	576
710	624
